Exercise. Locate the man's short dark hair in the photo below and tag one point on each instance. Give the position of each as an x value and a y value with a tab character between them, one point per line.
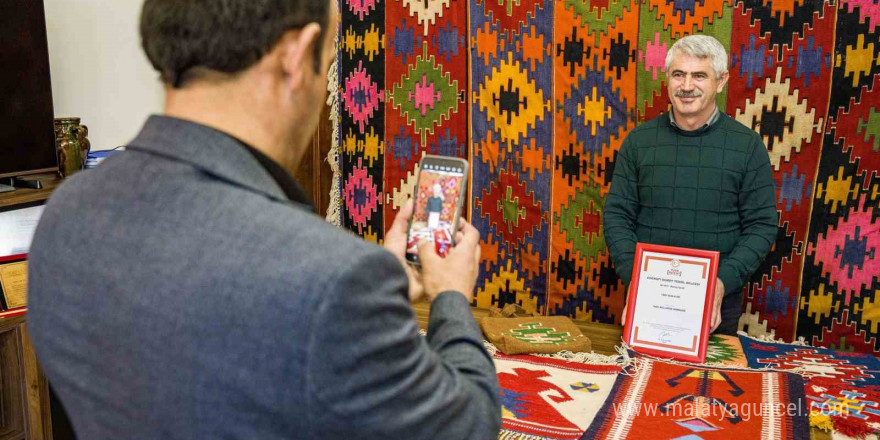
227	36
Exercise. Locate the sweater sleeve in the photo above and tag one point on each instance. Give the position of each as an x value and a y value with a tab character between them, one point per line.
621	212
758	217
372	376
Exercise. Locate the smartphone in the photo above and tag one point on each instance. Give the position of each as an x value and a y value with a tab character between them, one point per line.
439	194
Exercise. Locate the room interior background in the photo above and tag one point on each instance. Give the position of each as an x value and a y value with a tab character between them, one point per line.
99	72
538	95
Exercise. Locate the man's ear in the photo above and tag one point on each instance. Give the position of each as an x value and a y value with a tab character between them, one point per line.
298	53
724	77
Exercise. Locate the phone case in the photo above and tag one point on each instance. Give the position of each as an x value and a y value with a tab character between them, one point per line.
459	202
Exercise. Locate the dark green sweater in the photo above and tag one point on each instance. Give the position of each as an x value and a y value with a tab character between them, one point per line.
710	188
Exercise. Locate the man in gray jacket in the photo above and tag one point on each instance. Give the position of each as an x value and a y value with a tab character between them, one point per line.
185	289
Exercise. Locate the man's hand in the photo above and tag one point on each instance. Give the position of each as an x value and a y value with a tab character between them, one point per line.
716	310
395	242
458	271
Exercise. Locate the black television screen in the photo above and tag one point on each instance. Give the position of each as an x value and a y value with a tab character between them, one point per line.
27	138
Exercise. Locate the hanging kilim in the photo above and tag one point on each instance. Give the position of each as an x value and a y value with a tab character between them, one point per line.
685	402
538	95
838	383
840	296
550	398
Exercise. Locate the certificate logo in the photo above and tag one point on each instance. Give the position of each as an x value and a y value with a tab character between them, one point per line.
673	270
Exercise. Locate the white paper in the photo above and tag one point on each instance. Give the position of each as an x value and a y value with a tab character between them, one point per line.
670	302
17	229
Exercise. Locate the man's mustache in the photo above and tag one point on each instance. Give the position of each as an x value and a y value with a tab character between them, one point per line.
693	94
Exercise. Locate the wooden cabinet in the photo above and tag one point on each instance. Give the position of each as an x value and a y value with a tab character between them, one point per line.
24	390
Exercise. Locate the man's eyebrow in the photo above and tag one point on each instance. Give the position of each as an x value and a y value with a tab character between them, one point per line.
694	72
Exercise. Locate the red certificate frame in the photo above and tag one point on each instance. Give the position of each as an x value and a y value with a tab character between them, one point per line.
675	253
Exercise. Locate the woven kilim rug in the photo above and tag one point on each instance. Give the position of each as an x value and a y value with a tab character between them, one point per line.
546	398
837	383
666	400
725	350
538	96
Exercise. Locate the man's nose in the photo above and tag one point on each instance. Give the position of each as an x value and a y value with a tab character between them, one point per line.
688	83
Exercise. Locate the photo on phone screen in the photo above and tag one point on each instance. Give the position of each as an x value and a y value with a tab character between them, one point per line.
437	205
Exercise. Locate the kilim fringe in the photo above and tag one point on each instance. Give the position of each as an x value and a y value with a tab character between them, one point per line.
334	210
821	421
851	427
579	357
768	338
510	435
585	357
713	365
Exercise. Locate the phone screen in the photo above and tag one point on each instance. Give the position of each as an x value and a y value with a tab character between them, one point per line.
437	205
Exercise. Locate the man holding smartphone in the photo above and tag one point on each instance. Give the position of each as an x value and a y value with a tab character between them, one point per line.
185	288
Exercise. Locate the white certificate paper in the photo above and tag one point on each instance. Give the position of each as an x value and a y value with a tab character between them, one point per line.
670	303
17	229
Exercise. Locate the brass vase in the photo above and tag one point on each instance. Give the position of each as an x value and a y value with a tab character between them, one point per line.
72	143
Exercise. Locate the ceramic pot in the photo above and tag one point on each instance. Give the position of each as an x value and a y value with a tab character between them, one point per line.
72	143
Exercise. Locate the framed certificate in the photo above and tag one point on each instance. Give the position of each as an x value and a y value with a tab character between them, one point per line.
670	301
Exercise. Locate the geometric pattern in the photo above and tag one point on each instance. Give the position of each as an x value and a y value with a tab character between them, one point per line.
726	350
425	91
538	96
688	402
838	383
550	398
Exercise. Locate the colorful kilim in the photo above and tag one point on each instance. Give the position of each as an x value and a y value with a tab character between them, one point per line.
538	96
837	382
685	402
550	398
726	350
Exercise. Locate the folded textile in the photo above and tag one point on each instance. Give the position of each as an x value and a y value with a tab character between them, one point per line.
536	334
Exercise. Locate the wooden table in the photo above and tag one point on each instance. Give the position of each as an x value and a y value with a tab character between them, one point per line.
604	338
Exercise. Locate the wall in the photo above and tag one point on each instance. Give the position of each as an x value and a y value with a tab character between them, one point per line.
99	72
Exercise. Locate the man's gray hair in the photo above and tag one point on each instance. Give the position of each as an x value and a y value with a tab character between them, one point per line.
700	46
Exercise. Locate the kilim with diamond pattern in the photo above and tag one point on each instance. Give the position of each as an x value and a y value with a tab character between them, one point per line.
538	96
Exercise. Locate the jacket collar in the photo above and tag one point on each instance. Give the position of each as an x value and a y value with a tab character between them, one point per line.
209	150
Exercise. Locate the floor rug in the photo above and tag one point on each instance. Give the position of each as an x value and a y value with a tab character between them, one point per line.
546	398
838	383
672	401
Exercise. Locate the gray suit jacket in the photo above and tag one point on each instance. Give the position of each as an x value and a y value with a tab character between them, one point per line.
176	293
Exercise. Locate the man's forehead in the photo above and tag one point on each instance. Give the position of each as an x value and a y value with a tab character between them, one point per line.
686	63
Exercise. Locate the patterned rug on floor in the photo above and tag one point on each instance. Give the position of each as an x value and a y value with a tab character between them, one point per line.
657	399
546	398
838	384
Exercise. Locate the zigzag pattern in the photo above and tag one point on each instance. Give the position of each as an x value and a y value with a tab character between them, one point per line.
539	94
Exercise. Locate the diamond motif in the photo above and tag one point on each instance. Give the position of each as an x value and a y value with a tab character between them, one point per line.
361	96
425	95
426	11
783	119
511	100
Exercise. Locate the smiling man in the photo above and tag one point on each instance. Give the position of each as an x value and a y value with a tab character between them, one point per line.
695	178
